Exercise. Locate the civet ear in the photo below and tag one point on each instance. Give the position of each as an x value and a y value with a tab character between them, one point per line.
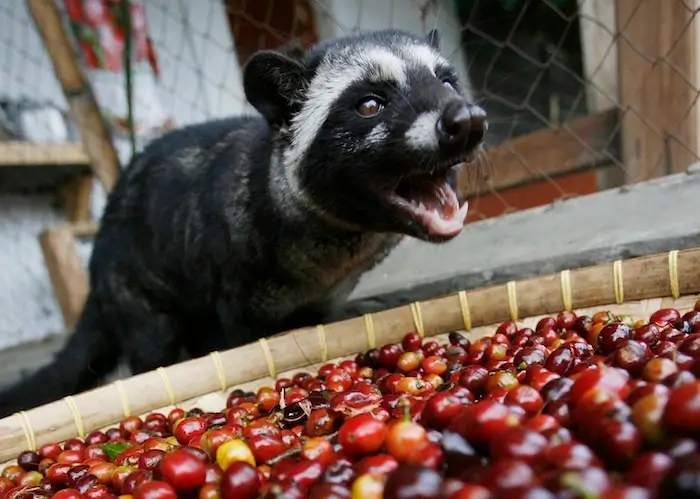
433	38
272	83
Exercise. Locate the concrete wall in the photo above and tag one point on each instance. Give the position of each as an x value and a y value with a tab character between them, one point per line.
200	80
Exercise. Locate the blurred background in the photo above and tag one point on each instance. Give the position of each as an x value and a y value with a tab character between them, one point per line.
582	96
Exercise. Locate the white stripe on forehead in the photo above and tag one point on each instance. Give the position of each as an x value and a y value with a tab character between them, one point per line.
422	55
333	78
383	65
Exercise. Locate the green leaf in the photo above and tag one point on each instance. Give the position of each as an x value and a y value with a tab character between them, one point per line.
113	449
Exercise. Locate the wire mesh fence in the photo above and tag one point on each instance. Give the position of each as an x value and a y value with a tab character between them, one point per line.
582	95
535	65
585	69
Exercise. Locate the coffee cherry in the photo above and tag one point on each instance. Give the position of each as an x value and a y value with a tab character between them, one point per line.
69	494
411	342
188	428
362	434
408	481
404	437
183	470
682	480
232	451
593	406
665	316
28	460
154	489
368	486
612	335
682	412
240	481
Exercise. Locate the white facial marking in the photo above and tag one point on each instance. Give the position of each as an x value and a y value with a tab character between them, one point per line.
385	66
422	55
422	135
332	79
377	135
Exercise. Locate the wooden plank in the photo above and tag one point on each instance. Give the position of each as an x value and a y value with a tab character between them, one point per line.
76	196
658	82
581	143
66	272
93	130
36	167
597	23
84	229
53	165
680	83
22	153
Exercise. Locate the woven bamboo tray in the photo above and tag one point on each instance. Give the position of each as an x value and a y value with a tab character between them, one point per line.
636	287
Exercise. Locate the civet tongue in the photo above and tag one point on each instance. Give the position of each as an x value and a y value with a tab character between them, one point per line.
435	204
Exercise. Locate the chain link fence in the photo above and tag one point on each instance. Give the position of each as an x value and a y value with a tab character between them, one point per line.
582	95
536	66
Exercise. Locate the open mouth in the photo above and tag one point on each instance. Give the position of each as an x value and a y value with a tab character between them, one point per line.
432	201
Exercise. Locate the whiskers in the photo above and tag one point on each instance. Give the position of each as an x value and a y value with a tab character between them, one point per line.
473	176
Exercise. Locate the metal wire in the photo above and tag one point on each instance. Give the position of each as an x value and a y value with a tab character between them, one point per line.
525	61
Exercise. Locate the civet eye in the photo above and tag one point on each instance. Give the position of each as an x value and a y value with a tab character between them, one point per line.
448	83
369	106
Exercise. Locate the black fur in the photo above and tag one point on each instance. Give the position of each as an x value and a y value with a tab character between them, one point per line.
202	244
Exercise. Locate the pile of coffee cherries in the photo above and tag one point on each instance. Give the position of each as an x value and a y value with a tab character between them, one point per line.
579	407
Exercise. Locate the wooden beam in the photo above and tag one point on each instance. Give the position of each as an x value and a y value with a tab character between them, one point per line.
658	86
68	277
66	271
21	153
93	130
579	144
76	196
84	229
47	166
598	25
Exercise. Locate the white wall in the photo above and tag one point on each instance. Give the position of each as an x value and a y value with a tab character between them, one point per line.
200	80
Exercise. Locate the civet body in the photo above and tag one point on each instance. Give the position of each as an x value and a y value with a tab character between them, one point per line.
220	233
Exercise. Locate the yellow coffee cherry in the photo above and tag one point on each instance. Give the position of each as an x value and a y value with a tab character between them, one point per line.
232	451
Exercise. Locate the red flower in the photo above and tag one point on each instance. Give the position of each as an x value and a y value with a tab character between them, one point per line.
74	8
89	54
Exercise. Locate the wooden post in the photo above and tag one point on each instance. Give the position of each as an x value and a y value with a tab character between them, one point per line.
93	130
598	25
66	271
658	86
76	196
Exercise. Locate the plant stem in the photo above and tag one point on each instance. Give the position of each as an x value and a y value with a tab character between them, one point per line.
128	73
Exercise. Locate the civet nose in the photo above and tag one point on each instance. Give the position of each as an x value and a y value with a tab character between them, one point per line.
461	126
